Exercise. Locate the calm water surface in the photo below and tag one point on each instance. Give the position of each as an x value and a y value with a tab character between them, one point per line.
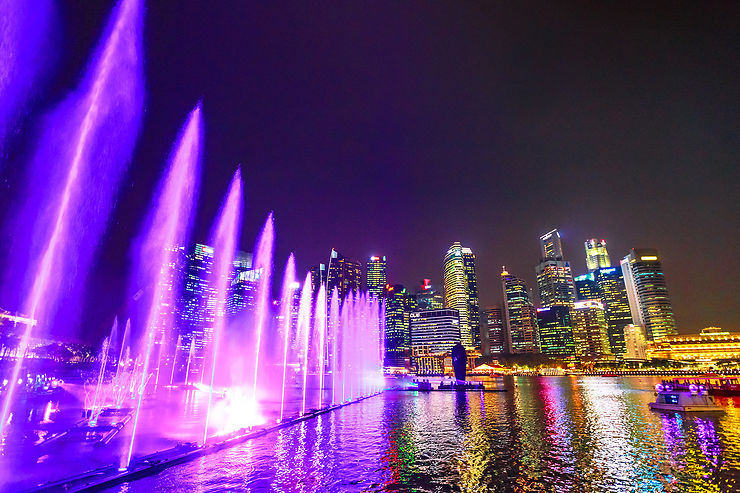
544	434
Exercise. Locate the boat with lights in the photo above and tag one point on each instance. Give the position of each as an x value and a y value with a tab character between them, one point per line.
692	399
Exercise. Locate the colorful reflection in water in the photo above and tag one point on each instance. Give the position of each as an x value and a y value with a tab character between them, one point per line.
543	434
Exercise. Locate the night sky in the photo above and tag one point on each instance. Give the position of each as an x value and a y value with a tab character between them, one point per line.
397	128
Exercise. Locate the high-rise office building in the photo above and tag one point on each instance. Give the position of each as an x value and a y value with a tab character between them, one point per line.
436	330
197	312
242	285
554	277
647	293
376	278
520	316
586	287
494	317
461	292
555	283
429	298
596	255
550	246
344	274
635	343
556	331
318	277
613	296
397	332
589	330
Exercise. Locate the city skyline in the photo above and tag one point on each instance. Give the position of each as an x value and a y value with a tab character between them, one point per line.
526	111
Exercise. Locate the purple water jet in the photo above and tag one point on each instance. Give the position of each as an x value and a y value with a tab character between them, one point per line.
223	238
286	315
263	265
167	226
319	333
84	147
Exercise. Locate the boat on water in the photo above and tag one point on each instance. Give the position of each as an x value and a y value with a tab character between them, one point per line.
668	398
713	384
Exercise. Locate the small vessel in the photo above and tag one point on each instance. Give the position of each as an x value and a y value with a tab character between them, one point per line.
668	398
712	383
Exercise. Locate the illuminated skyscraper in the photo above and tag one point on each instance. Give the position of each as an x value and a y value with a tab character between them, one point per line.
461	292
596	255
613	296
589	330
243	285
376	278
554	277
550	246
521	318
556	331
586	287
397	333
647	293
428	298
344	274
494	317
197	312
318	276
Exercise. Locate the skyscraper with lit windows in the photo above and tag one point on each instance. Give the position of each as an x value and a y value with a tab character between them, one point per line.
344	274
494	316
647	293
556	331
589	330
376	278
586	287
398	305
554	277
596	255
613	296
461	292
520	315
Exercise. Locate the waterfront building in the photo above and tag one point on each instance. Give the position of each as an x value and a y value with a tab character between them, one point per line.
344	274
427	362
635	343
520	316
556	331
438	330
376	277
429	298
397	331
712	344
613	296
461	292
589	330
555	283
647	293
494	317
586	287
596	255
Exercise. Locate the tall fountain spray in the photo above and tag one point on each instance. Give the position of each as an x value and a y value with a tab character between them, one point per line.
224	240
263	264
167	227
26	41
286	318
304	332
85	146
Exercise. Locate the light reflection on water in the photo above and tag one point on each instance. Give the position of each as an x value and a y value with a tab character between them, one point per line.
544	434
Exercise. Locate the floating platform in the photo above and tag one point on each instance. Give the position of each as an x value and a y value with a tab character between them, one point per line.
684	401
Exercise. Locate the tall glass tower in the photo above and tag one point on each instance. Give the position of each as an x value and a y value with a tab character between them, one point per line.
596	255
554	277
647	293
521	318
376	278
461	292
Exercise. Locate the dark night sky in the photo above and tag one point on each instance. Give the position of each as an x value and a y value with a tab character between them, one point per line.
398	128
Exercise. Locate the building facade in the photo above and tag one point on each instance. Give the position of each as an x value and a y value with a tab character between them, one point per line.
712	344
376	276
647	293
344	274
437	330
461	292
397	330
613	296
495	327
589	330
596	255
556	331
520	316
635	343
